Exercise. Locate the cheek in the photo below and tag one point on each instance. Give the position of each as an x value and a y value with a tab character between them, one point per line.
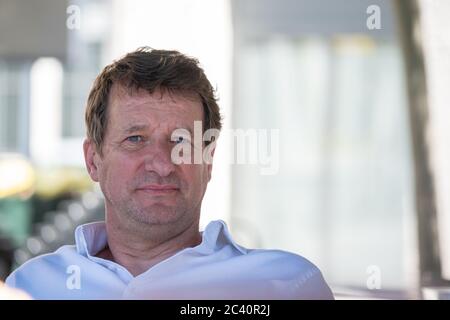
196	178
116	175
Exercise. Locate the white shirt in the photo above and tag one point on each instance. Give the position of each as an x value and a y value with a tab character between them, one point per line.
217	268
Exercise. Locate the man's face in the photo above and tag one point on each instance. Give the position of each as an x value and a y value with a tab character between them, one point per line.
136	172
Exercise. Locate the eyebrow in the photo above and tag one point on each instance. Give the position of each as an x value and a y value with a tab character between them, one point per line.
142	127
134	128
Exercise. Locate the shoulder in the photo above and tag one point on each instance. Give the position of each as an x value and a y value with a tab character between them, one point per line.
43	271
296	274
288	262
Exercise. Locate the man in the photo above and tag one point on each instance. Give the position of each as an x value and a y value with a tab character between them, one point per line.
141	114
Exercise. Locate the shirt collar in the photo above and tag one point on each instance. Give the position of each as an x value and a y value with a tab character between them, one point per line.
91	238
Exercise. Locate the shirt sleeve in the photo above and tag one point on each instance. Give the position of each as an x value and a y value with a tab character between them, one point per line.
313	287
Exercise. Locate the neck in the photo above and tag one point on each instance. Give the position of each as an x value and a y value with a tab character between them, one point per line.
139	251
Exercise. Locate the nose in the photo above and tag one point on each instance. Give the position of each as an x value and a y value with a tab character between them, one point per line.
158	159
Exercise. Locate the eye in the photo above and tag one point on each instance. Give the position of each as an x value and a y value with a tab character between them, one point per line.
179	140
134	139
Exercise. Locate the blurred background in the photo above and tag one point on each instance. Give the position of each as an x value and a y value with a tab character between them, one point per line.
357	89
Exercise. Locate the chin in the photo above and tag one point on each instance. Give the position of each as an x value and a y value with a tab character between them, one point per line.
157	214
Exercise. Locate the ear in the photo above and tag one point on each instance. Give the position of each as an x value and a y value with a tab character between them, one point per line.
90	158
213	149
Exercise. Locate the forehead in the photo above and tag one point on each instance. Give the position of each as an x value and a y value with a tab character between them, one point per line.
127	107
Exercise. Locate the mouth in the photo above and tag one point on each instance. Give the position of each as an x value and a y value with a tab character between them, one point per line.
158	189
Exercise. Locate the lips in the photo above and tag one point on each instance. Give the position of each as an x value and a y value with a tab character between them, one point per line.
158	188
